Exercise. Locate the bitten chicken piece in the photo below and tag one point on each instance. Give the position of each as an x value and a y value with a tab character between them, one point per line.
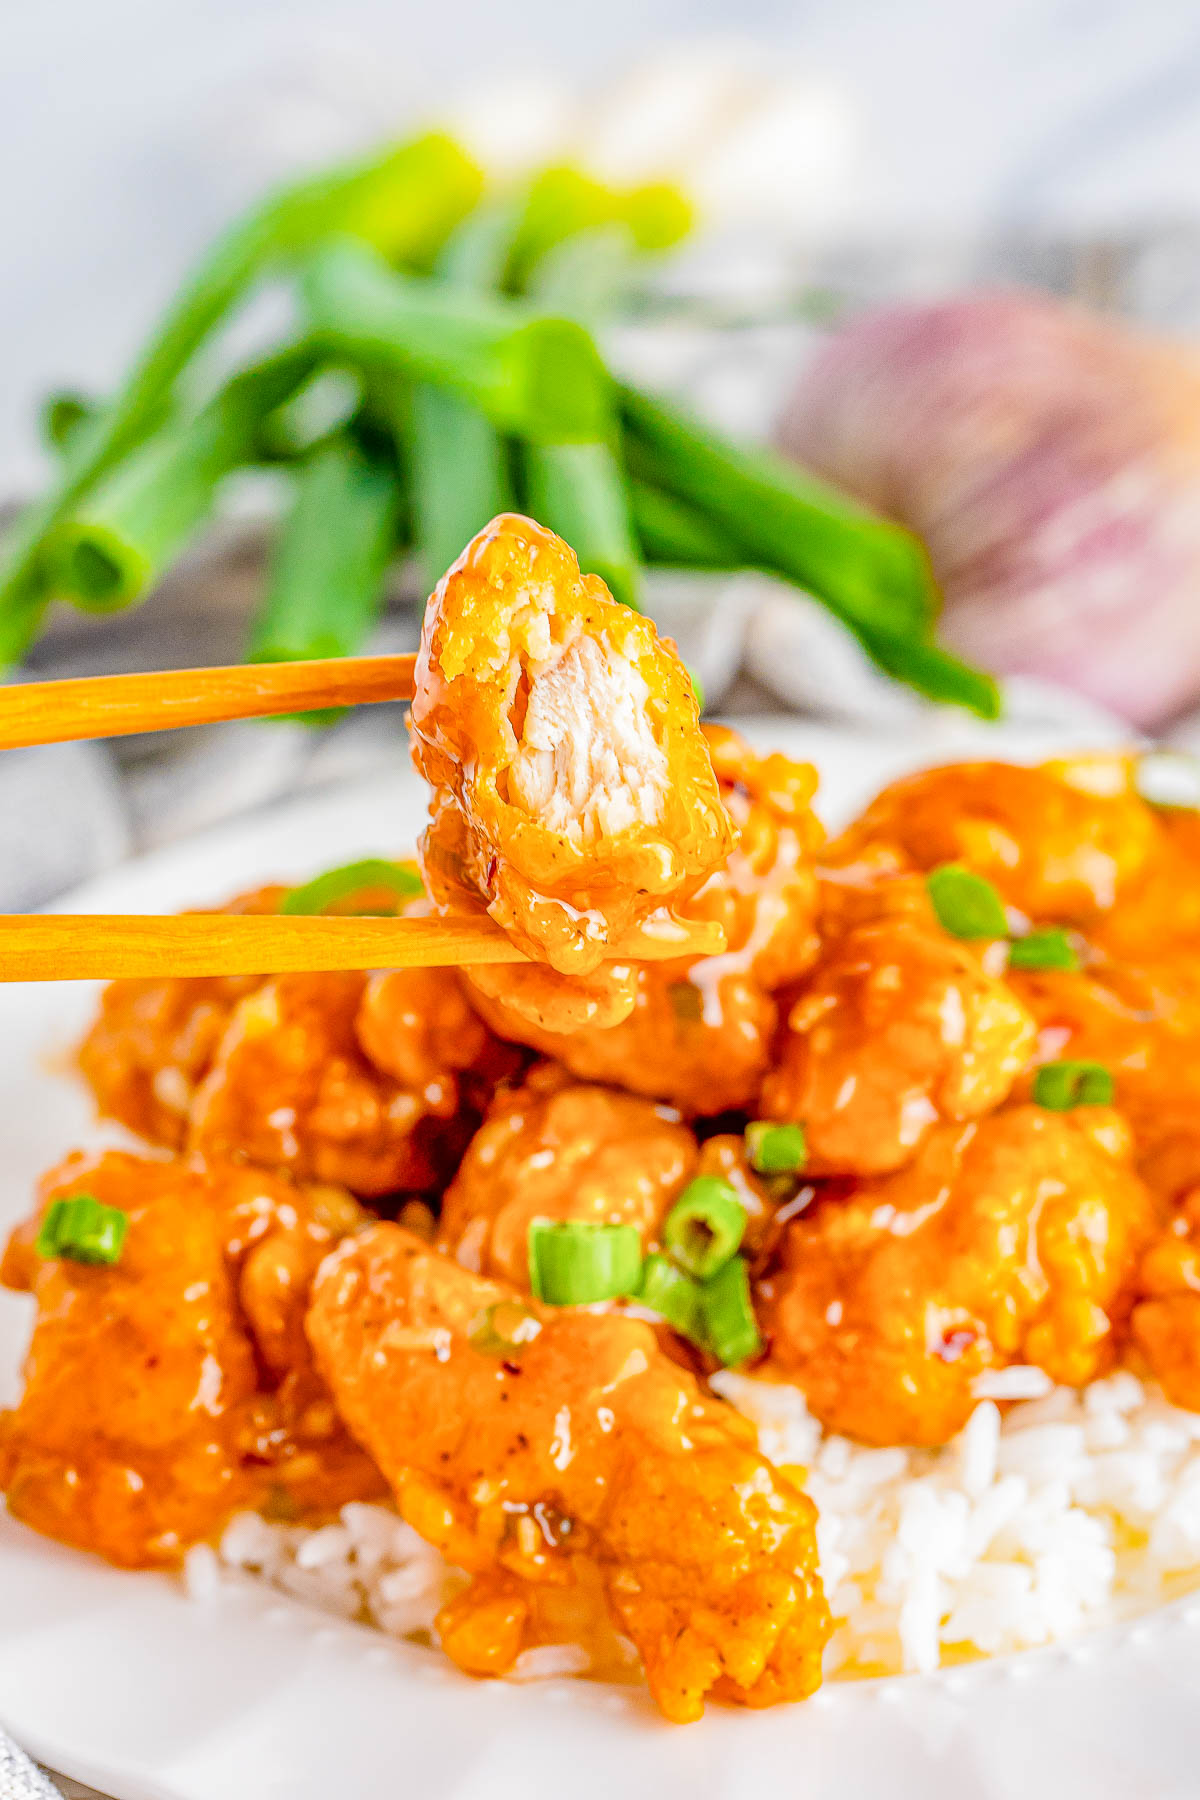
1059	842
1165	1324
290	1087
168	1390
700	1032
579	1450
899	1026
154	1041
1014	1239
574	799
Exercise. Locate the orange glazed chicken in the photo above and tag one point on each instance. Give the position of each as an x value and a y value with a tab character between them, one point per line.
899	1026
165	1391
573	796
573	1449
1013	1239
701	1029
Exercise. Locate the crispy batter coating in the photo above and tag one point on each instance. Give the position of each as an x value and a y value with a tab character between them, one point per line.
290	1087
1012	1239
574	799
899	1026
165	1392
700	1032
1060	842
154	1041
585	1450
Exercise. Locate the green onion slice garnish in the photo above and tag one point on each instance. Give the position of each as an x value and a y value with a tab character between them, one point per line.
776	1149
504	1328
966	905
1050	948
81	1229
666	1290
574	1262
1170	779
730	1328
326	890
1059	1086
704	1227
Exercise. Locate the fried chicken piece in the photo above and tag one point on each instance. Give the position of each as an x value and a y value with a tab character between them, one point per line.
290	1087
556	1148
1013	1239
154	1041
700	1032
899	1026
581	1452
1165	1323
147	1417
574	799
1060	842
1142	1023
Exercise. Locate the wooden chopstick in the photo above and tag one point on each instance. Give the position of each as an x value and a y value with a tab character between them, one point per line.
104	946
98	706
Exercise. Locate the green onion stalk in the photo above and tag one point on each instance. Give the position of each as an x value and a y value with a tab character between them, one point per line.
139	519
870	573
326	578
404	201
458	458
539	377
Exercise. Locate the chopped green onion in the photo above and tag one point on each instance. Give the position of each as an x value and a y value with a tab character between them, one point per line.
325	586
776	1149
705	1226
503	1328
966	905
674	1296
1170	779
405	200
730	1329
574	1262
81	1229
541	377
1060	1086
325	890
1050	948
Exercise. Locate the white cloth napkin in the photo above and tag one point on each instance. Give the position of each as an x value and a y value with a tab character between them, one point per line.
19	1778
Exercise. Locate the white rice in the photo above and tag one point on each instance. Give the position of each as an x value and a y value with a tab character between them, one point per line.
1073	1509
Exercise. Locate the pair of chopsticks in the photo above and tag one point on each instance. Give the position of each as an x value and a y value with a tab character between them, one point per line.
103	946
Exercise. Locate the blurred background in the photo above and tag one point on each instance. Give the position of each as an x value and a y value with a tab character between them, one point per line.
946	256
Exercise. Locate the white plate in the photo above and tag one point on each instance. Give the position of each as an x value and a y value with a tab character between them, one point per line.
121	1681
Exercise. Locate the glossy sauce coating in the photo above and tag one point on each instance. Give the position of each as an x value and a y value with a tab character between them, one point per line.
1012	1239
585	1448
899	1026
701	1029
574	799
163	1393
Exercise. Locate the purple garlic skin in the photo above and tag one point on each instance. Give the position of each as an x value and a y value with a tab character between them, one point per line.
1051	461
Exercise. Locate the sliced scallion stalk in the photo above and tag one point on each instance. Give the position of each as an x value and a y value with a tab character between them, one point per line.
705	1226
81	1229
1062	1086
966	905
730	1328
666	1290
327	889
775	1149
1050	948
573	1262
503	1329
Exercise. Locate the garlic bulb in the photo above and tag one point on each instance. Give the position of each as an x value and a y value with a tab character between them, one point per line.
1051	461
